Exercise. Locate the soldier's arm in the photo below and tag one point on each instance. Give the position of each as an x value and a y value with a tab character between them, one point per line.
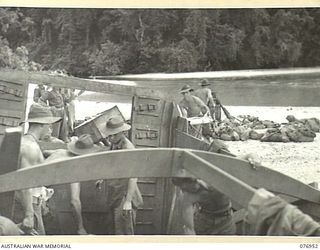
187	212
25	195
210	99
36	95
204	107
76	207
132	185
183	108
80	92
45	96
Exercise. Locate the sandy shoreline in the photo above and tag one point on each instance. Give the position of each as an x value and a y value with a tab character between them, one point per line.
298	160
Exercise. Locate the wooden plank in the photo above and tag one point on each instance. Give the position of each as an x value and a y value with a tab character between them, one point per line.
184	140
154	117
262	177
11	105
147	119
144	188
9	160
78	83
234	188
3	129
12	113
114	164
166	124
104	165
12	89
23	78
10	149
156	163
8	97
14	76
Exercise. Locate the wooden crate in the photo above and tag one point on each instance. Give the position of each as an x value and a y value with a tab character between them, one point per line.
96	125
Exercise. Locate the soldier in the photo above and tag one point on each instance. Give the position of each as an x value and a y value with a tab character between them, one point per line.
83	145
204	93
125	196
38	92
69	97
56	102
7	227
217	107
205	210
193	105
28	201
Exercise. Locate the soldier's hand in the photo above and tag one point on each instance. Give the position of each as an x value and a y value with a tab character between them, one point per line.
82	231
127	208
27	223
203	184
127	205
253	159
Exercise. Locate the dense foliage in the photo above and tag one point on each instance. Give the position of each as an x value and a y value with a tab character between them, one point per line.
121	41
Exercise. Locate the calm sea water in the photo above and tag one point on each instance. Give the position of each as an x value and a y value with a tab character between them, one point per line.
260	92
269	102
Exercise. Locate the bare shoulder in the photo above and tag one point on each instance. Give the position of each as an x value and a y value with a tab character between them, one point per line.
58	155
128	144
197	91
197	99
30	153
28	146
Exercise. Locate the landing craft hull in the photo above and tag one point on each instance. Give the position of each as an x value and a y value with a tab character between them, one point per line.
161	163
155	123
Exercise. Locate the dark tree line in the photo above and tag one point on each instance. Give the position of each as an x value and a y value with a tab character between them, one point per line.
121	41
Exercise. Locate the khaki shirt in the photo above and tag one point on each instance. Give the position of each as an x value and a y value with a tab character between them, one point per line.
117	188
54	98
